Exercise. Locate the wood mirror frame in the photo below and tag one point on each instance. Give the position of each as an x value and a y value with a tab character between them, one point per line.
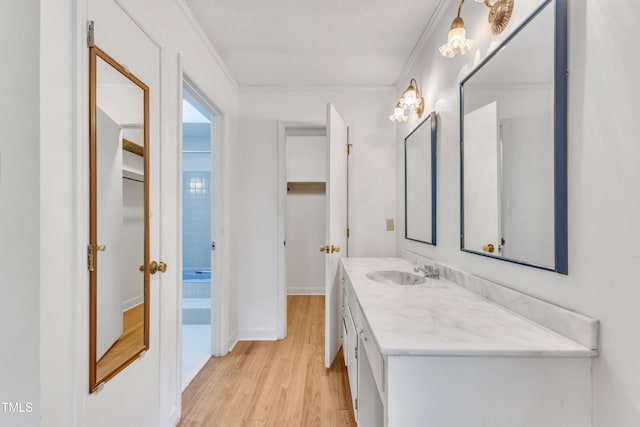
123	351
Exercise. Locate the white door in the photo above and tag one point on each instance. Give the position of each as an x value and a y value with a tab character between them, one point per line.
336	229
482	210
109	224
131	398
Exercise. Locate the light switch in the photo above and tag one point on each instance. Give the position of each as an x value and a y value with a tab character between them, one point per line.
390	224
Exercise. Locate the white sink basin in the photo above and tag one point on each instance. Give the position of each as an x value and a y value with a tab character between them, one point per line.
393	277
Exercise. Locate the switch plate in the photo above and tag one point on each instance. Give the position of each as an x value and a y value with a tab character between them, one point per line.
390	224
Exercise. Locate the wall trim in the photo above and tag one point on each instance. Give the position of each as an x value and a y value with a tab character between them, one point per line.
132	302
231	343
188	13
306	290
280	89
257	335
421	45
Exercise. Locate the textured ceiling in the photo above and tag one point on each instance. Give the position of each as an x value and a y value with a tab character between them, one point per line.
314	42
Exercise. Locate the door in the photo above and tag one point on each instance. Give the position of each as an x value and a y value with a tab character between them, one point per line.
482	210
350	350
109	192
132	396
336	228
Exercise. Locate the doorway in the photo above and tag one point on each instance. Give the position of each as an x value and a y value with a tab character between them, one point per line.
334	189
305	210
199	135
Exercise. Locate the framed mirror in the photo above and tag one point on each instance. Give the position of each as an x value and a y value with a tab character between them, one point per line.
420	182
513	145
118	250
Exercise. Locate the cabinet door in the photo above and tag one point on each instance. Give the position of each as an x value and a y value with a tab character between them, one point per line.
351	351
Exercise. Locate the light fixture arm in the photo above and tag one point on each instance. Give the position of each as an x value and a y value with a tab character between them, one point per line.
460	7
411	83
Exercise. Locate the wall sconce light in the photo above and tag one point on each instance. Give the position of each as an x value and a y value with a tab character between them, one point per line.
410	100
458	43
499	14
398	114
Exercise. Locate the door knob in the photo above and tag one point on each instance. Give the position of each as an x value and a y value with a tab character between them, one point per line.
324	248
488	248
155	266
335	249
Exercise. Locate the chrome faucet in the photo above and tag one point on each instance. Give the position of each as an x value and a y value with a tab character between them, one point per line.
429	271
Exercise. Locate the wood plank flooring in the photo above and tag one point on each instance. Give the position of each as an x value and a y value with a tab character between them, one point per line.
130	342
274	383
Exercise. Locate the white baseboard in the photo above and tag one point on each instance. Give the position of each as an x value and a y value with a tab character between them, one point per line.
232	341
130	303
258	335
174	416
305	290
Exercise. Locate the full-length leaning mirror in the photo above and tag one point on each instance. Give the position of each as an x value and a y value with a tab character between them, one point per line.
514	146
420	182
118	250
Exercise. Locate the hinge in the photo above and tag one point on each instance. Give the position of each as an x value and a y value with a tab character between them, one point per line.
90	33
91	257
356	403
348	233
348	149
356	352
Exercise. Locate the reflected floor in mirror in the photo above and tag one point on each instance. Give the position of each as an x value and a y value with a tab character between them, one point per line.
274	383
129	343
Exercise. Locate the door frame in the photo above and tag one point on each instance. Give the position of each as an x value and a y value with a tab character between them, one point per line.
218	287
284	129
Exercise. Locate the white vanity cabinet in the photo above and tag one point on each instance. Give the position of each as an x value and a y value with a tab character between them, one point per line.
365	364
437	354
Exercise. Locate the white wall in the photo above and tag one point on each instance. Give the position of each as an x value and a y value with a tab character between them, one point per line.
63	196
109	226
306	211
19	205
306	158
255	186
604	198
132	254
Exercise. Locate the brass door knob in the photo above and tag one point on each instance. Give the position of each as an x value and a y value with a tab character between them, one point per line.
335	249
141	267
155	266
488	248
324	248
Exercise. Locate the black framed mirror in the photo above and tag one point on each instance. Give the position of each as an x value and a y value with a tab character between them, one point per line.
513	146
420	148
118	250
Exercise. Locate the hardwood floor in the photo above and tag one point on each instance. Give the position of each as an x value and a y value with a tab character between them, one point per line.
130	342
274	383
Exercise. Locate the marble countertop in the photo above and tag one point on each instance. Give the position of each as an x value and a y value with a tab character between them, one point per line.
441	318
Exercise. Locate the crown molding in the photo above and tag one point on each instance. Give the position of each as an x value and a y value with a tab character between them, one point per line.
186	11
425	37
